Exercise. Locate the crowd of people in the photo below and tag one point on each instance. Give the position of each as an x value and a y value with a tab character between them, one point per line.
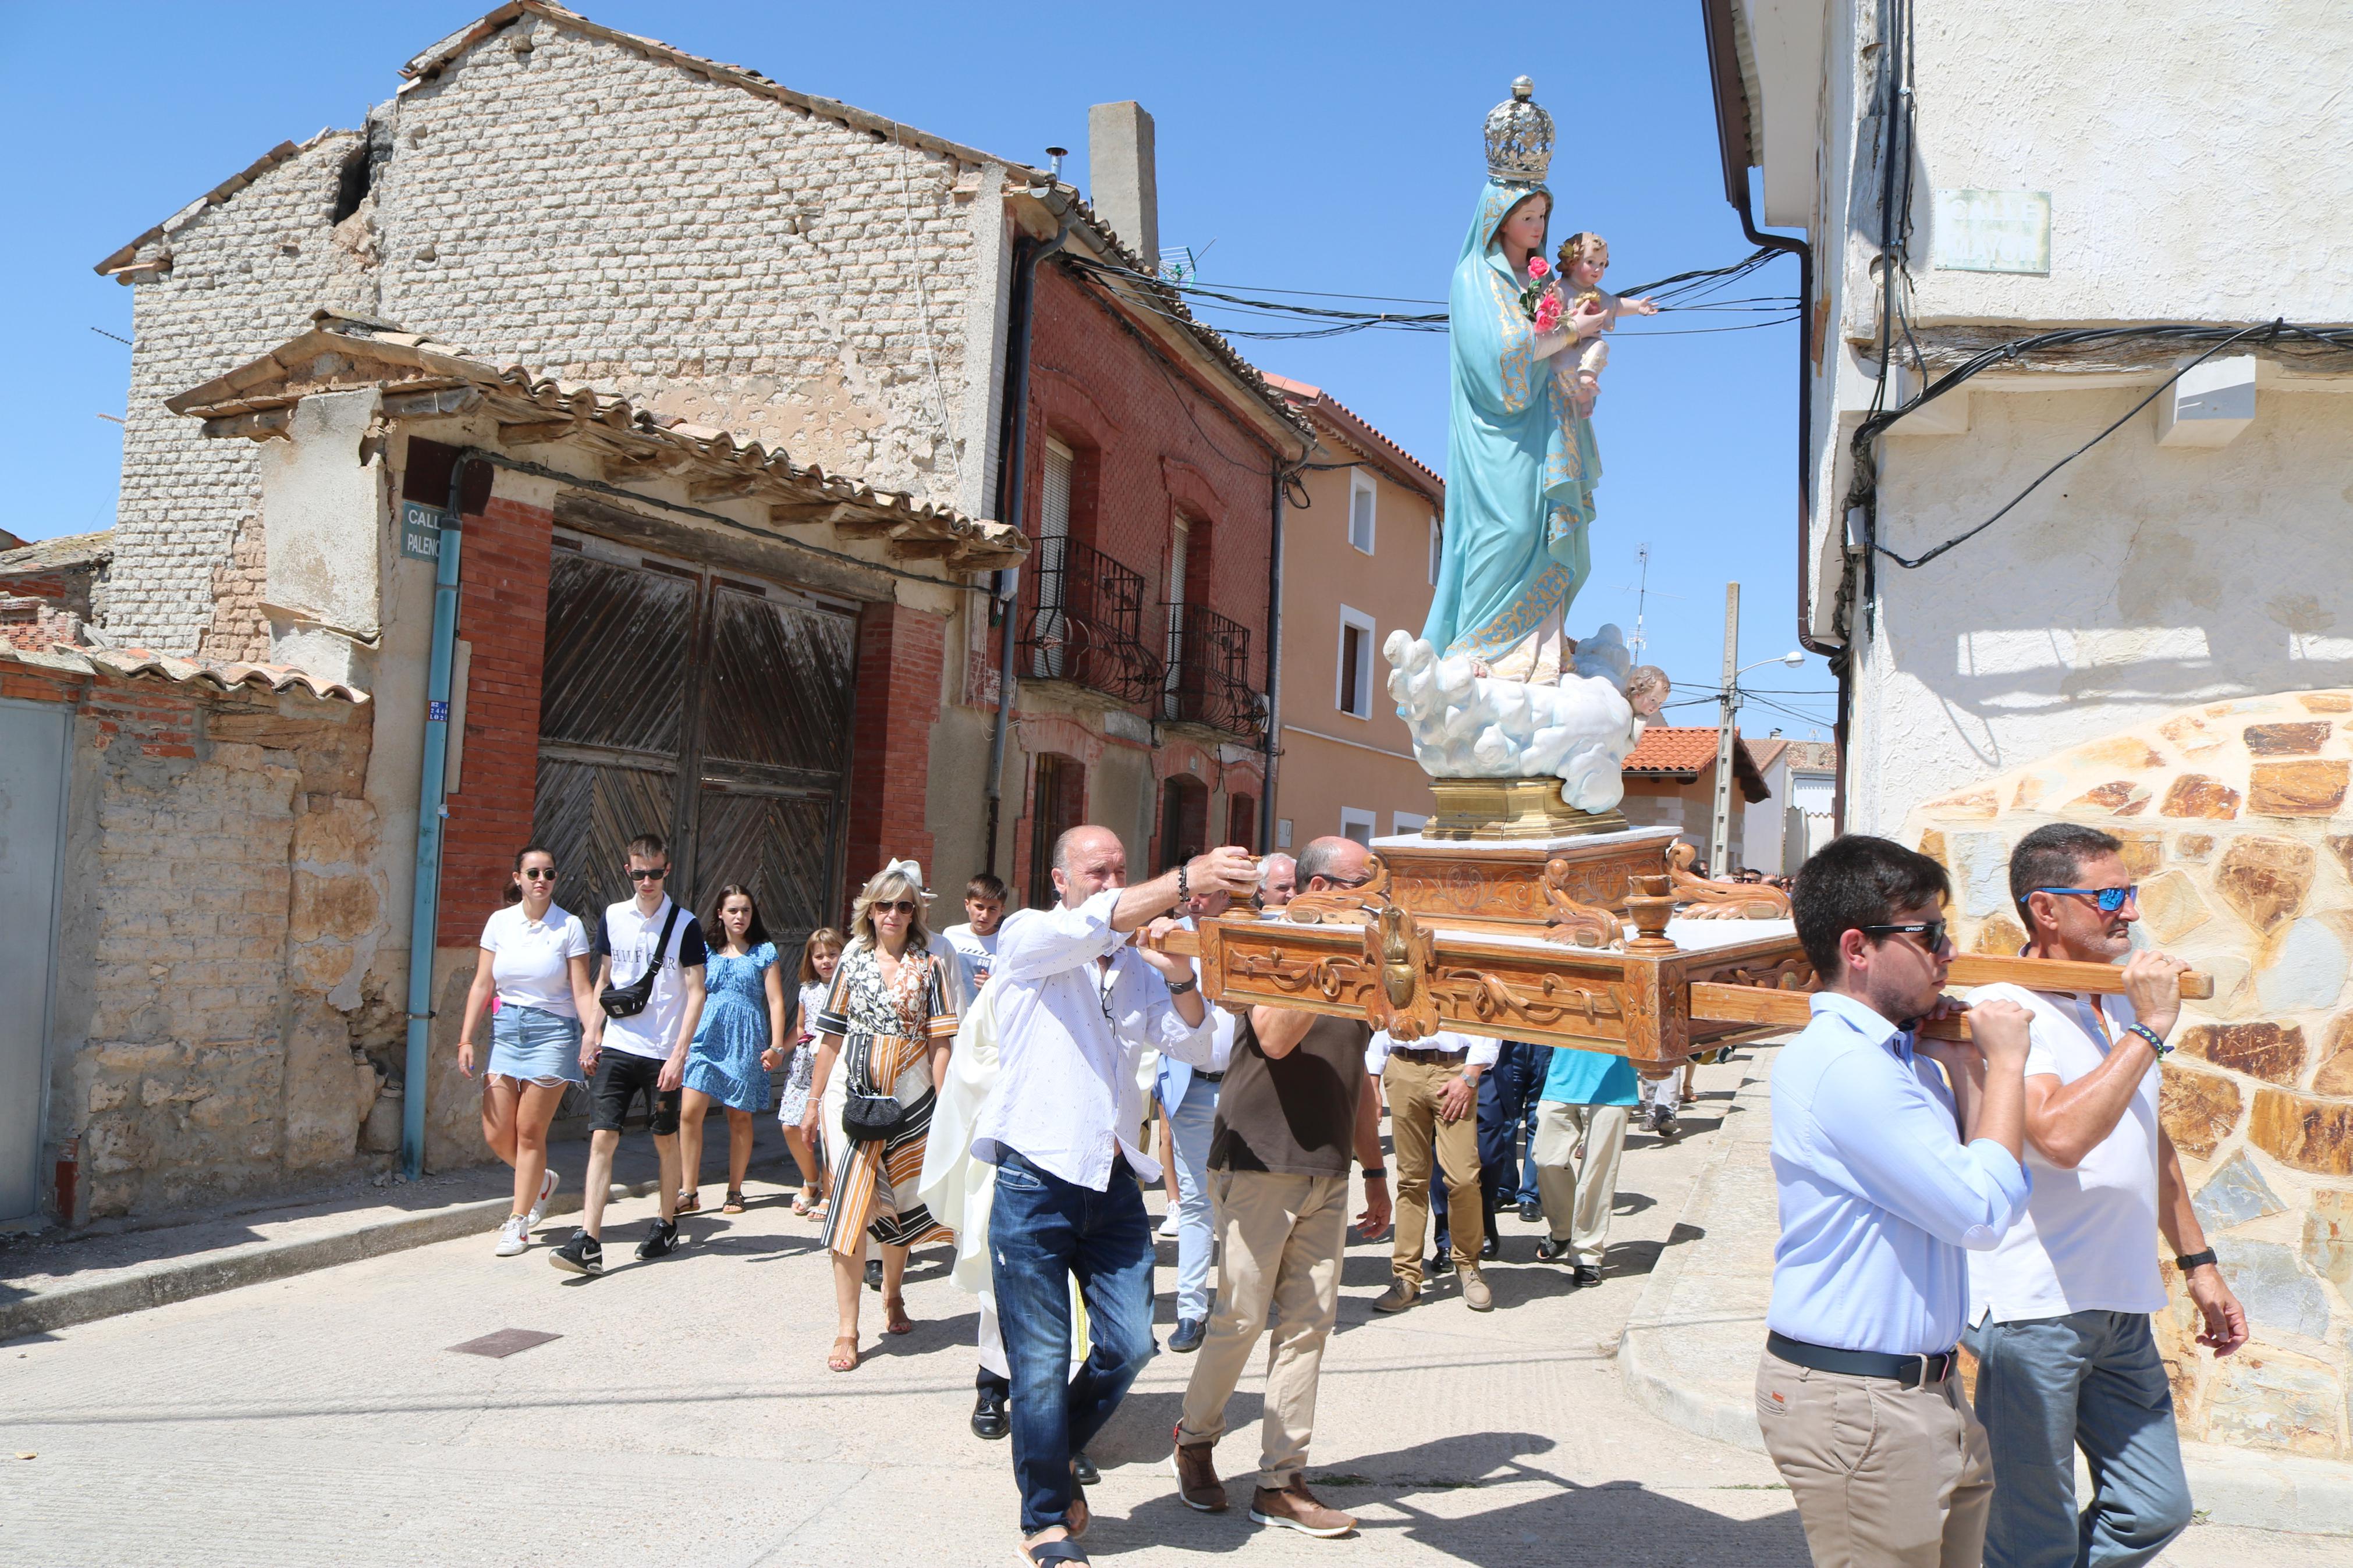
997	1086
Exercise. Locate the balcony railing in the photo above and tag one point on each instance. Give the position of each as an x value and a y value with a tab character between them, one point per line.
1086	623
1207	680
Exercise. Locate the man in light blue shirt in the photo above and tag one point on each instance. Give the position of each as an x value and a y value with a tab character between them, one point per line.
1889	1173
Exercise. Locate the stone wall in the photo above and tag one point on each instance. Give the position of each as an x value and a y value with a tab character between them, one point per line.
2236	826
213	1018
554	199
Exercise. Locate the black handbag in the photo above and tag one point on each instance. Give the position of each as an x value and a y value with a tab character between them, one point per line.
628	1001
871	1118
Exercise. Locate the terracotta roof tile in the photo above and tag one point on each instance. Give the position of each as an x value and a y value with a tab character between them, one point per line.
138	663
1668	750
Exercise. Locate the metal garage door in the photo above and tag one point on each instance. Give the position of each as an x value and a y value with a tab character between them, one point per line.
32	831
658	672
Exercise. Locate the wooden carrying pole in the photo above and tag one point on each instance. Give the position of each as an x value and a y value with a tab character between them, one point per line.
1748	1005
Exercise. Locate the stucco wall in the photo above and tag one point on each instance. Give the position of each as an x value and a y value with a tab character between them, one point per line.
2198	171
2141	579
2236	825
1320	771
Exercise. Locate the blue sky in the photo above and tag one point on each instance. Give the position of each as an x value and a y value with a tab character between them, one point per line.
1326	147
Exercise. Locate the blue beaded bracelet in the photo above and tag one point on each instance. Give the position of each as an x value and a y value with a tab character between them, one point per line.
2146	1033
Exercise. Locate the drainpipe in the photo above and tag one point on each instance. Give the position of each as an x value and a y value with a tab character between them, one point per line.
1011	495
1273	669
1717	28
425	905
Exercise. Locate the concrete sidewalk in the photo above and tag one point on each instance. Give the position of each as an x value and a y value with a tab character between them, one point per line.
1690	1348
50	1283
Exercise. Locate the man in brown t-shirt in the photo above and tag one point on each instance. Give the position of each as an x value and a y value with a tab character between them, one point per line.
1292	1109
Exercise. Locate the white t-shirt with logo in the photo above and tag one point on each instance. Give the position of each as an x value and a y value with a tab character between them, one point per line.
975	955
2088	1240
627	938
530	961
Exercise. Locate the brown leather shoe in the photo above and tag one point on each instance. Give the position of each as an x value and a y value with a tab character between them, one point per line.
1475	1294
1398	1297
1295	1508
1197	1477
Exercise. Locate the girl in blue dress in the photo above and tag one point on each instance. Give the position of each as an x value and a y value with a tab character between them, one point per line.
742	1020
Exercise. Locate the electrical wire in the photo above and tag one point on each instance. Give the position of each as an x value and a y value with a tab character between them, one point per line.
2270	332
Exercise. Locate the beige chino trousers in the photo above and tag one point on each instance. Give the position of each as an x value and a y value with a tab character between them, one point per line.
1280	1244
1576	1152
1412	1089
1883	1476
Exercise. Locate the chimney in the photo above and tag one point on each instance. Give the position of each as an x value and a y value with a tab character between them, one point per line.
1120	163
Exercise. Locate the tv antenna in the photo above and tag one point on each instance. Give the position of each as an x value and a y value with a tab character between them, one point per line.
1642	591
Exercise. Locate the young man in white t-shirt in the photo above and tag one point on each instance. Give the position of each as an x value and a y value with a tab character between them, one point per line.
643	1054
974	942
2059	1310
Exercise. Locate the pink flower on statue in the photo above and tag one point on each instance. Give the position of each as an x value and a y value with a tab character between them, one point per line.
1539	267
1548	312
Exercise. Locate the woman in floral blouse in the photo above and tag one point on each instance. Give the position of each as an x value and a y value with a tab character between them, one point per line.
887	1027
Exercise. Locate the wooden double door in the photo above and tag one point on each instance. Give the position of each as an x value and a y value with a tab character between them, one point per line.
712	709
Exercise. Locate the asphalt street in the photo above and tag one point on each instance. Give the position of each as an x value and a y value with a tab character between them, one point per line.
685	1414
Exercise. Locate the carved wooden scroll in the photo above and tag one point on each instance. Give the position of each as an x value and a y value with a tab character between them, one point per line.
1749	901
1578	924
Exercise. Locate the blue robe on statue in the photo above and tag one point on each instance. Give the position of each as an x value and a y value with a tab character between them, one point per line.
1521	465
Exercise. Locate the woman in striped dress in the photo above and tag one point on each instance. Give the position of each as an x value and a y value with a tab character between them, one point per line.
885	1029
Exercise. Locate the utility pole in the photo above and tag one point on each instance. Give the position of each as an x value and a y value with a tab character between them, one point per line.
1719	855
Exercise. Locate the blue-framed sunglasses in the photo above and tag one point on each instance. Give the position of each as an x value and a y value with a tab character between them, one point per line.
2110	899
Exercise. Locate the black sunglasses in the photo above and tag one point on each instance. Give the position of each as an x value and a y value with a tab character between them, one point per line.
534	873
1931	932
903	906
650	875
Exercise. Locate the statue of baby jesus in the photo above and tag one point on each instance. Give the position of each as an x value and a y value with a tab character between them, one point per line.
1584	258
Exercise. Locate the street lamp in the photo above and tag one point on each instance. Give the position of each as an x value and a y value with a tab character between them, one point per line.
1719	856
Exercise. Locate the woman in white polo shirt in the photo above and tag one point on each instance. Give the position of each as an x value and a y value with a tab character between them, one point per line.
535	961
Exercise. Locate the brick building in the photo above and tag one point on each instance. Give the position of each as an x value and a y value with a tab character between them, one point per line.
663	310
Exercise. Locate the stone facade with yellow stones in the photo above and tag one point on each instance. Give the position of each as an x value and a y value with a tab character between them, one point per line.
2236	826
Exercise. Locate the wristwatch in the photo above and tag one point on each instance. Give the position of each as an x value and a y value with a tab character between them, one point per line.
1376	1172
1178	987
2191	1260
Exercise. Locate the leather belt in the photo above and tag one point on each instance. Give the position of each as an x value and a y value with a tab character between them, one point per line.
1209	1076
1427	1058
1908	1370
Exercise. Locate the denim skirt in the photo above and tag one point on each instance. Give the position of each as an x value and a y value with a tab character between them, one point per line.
534	1046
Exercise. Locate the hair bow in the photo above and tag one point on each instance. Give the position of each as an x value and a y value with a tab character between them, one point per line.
912	872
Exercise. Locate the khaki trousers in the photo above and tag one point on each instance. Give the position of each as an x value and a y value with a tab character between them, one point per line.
1882	1475
1412	1089
1577	1197
1281	1241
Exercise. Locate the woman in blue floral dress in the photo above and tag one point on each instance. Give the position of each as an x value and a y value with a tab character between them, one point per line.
734	1045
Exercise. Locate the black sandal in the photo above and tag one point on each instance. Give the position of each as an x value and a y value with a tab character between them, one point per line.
1047	1551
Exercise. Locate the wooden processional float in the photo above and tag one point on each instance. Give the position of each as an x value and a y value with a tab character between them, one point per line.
1515	917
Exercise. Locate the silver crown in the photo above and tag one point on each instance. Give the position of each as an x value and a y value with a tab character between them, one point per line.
1519	137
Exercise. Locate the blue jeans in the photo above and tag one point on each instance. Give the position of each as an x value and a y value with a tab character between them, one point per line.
2048	1385
1508	1093
1193	1119
1043	1230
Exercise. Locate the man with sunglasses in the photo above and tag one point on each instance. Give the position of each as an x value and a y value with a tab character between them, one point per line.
643	1055
2059	1311
1889	1174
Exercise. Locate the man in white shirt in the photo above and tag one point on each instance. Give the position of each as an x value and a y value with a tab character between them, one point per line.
1076	1006
642	1054
1432	1088
2059	1310
974	942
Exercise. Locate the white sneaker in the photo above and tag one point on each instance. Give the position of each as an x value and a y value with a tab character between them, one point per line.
514	1237
548	1181
1167	1231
